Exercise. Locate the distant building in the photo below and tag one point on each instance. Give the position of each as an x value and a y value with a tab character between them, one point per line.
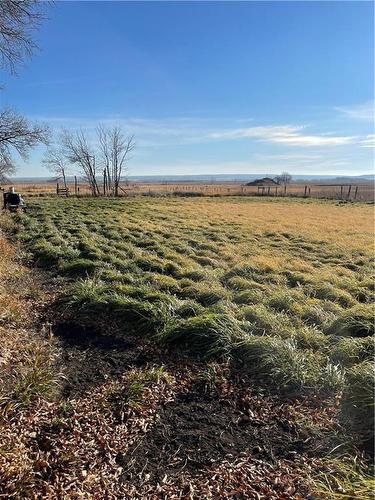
266	181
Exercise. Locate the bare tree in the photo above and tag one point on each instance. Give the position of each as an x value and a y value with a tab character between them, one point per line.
78	151
17	135
56	162
18	20
105	156
284	178
115	148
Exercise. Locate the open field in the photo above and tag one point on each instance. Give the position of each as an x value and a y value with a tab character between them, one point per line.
359	192
213	336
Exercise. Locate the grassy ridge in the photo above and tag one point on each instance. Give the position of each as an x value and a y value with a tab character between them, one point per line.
281	288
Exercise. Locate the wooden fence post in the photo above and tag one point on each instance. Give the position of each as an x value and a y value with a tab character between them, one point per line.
75	186
104	181
305	193
349	190
57	188
341	188
355	193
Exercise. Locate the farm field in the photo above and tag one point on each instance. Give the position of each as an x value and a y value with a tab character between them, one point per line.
265	305
357	191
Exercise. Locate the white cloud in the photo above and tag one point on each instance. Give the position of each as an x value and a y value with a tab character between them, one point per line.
286	134
269	132
177	131
363	111
368	141
315	140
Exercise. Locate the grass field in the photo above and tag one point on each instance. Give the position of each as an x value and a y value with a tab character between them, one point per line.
283	287
277	291
357	191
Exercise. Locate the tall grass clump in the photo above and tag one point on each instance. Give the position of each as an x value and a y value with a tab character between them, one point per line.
357	404
358	321
46	254
92	302
208	335
345	478
264	321
80	267
36	379
284	366
348	351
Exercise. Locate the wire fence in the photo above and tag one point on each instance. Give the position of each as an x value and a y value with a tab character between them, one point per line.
352	192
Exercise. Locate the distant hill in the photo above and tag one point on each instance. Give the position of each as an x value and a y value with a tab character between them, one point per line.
217	178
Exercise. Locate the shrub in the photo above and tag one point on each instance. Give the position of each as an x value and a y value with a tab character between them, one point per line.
357	321
357	404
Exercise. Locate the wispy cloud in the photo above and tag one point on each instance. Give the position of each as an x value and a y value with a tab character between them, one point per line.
189	130
363	111
283	134
368	141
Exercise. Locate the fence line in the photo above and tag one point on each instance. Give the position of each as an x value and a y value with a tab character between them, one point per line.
348	192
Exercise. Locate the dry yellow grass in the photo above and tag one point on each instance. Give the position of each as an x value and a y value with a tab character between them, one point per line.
360	192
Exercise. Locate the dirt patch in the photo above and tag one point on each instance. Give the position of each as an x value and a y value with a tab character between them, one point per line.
197	431
89	358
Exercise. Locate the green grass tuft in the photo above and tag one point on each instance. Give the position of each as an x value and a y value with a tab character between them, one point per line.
357	321
209	335
357	404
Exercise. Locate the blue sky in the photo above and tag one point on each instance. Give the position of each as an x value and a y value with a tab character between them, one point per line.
209	87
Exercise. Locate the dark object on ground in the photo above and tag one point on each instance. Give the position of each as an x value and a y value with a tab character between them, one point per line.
13	201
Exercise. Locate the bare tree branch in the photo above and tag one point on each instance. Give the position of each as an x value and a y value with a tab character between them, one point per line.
56	163
77	151
115	149
284	178
18	20
18	135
